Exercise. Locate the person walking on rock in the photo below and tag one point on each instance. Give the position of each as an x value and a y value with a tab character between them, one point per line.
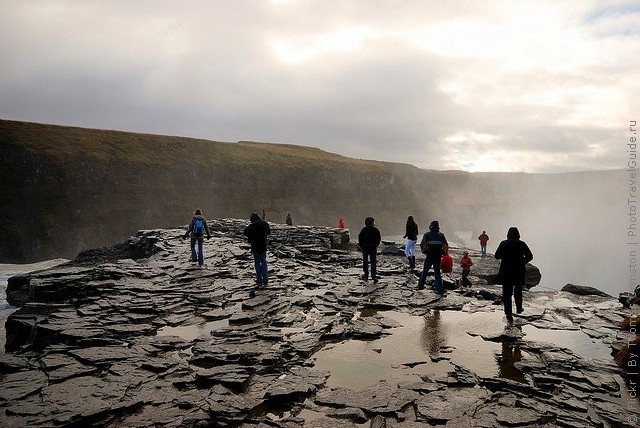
289	220
513	254
466	263
483	238
411	233
369	238
434	245
256	232
197	229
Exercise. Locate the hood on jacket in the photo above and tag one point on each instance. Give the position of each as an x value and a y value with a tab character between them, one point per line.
513	233
254	217
368	221
434	225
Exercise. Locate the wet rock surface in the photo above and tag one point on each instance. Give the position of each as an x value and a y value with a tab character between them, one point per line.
139	336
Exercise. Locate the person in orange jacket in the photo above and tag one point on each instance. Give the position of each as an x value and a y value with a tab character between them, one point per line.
466	264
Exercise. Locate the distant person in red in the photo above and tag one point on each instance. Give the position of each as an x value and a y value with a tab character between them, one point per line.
483	238
447	263
340	224
514	255
466	264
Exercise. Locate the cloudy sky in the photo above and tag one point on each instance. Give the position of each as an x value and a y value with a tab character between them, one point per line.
495	85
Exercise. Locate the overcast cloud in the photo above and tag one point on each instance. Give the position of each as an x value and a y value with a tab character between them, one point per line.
537	86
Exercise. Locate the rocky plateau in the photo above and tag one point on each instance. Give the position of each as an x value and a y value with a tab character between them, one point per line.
135	335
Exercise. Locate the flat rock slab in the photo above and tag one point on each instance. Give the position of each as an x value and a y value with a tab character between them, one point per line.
89	344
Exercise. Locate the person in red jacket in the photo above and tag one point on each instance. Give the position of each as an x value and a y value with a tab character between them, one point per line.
483	238
447	263
466	264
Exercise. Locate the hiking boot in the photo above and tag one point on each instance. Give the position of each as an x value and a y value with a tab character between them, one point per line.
519	311
364	277
508	320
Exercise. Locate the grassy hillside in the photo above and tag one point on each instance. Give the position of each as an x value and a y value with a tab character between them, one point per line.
66	189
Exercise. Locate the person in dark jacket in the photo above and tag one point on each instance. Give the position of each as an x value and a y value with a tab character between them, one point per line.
196	229
289	220
411	233
513	254
256	232
369	238
434	245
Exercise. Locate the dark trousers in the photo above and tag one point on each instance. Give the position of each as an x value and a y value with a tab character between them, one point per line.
435	262
509	290
260	264
366	256
465	276
199	256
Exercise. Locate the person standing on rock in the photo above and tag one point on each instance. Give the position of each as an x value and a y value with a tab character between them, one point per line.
369	238
483	238
197	228
434	245
289	220
513	254
466	263
340	223
411	233
256	232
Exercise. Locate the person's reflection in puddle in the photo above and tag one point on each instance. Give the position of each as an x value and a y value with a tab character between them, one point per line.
432	335
510	354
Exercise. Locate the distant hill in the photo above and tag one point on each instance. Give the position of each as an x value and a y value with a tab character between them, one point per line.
67	189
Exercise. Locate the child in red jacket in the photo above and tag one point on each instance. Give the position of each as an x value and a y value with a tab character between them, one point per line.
466	264
446	264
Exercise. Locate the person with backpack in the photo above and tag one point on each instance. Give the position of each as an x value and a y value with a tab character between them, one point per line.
256	232
513	254
434	245
197	228
368	239
446	263
411	233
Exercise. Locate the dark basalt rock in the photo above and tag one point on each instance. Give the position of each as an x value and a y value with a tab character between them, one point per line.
583	290
136	335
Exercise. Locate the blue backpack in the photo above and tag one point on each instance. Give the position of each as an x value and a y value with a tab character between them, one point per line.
198	227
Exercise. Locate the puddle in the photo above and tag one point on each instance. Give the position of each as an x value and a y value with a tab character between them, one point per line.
191	332
430	345
407	353
575	340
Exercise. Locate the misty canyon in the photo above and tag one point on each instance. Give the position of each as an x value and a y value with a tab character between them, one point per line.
68	189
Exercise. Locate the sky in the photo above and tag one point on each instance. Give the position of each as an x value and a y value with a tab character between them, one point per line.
495	85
